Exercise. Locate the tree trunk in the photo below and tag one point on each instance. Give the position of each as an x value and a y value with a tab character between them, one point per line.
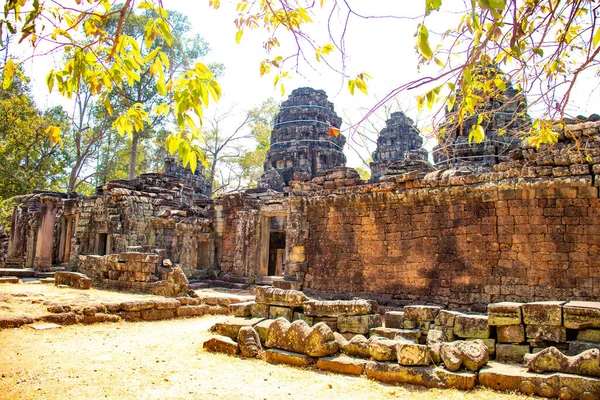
133	156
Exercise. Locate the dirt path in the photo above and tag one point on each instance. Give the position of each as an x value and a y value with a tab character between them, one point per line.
165	360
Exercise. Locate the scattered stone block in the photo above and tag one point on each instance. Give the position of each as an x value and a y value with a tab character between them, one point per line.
511	353
259	310
411	324
131	316
490	344
553	360
342	365
166	304
472	354
280	297
581	315
389	333
221	344
547	333
14	321
249	342
471	326
589	335
411	353
277	356
337	308
156	315
429	376
137	305
100	318
511	333
445	318
448	332
241	309
72	279
298	337
284	312
543	313
505	313
231	326
262	328
516	378
58	308
357	346
394	319
309	320
412	335
382	349
421	313
358	323
434	340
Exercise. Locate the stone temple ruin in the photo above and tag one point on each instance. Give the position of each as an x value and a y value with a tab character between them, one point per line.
494	259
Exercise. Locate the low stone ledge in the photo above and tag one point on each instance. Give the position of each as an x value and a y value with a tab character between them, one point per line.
221	344
280	297
342	365
10	279
431	377
73	279
231	326
277	356
338	308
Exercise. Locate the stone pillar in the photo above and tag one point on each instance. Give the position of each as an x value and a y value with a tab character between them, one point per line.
16	243
68	236
45	235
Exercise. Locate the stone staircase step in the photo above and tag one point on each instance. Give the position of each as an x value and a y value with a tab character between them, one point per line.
236	279
218	283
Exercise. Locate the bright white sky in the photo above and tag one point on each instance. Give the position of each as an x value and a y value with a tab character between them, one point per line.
384	48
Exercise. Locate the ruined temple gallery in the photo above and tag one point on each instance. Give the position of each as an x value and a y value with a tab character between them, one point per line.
500	227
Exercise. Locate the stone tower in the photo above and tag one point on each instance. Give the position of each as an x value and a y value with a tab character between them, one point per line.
300	141
505	116
398	141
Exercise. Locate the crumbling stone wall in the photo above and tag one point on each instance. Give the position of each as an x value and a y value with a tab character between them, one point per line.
526	231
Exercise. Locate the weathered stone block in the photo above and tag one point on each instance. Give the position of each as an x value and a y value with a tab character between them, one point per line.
471	326
490	344
410	353
357	346
412	335
336	308
546	333
429	376
298	337
221	344
358	323
137	305
505	313
155	315
511	353
131	316
543	313
231	326
262	328
576	347
192	311
73	279
342	365
446	318
421	313
589	335
277	356
553	360
280	297
284	312
581	314
259	310
241	309
383	349
249	342
331	322
166	304
394	319
511	333
472	354
389	333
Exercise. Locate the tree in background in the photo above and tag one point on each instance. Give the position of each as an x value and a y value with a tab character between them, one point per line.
29	159
230	166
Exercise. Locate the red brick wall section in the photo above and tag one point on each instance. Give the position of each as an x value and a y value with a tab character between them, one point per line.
459	246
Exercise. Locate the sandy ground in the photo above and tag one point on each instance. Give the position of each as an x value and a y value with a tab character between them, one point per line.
165	360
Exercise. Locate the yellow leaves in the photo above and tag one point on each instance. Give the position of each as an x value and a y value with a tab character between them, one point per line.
423	42
360	83
214	4
477	134
541	133
53	133
323	51
132	120
186	147
596	38
162	109
238	36
500	84
8	73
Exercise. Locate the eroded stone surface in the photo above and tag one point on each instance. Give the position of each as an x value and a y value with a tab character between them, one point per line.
472	354
231	326
504	313
421	313
394	319
298	337
280	297
410	353
337	308
357	346
249	342
546	333
342	365
581	314
358	323
511	353
471	326
445	318
221	344
553	360
543	313
428	376
278	356
511	333
382	349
